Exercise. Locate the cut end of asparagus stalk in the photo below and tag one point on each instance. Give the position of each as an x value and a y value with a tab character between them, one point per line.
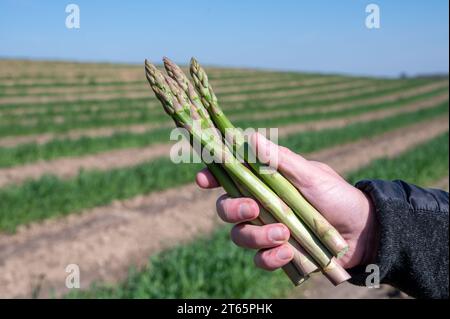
296	277
301	258
335	272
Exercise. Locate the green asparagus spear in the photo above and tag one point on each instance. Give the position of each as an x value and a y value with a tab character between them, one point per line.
302	261
238	171
298	269
288	192
295	269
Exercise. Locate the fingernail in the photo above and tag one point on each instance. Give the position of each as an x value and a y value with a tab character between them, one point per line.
245	211
277	234
284	253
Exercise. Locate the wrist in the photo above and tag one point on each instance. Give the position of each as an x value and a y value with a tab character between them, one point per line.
371	233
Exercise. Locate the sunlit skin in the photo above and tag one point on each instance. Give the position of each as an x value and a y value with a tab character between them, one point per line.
343	205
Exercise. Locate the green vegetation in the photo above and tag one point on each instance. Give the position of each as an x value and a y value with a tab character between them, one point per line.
57	108
92	79
133	86
87	114
51	196
47	111
212	267
241	91
30	152
421	165
42	122
306	142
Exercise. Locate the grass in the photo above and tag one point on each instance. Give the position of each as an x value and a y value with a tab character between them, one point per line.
306	142
91	80
30	152
47	111
14	125
144	114
311	100
139	111
139	101
346	112
422	165
241	91
51	196
151	108
136	86
212	267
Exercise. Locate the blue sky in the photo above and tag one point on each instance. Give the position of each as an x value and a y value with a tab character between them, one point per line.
319	35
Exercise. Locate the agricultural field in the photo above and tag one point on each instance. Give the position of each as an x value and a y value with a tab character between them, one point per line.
85	176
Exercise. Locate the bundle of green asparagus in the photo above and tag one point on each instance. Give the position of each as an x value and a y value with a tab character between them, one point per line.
195	108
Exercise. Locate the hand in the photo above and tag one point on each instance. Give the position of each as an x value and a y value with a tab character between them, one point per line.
348	209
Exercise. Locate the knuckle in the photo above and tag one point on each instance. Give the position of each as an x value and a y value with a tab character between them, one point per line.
253	238
264	260
221	208
284	151
323	166
236	234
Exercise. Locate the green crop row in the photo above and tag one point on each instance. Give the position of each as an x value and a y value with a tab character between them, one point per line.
43	111
30	152
135	86
139	117
311	100
355	110
212	267
209	267
151	105
51	196
152	109
246	91
140	86
422	165
92	81
93	118
307	142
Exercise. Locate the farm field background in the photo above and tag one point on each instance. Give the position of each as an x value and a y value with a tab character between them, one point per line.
85	176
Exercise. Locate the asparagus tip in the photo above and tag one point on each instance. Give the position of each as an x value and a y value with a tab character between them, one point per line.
194	63
170	67
167	63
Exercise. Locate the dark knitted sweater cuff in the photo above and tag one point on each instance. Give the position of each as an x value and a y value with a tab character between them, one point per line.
390	214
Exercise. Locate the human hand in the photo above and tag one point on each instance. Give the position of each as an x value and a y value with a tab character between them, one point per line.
348	209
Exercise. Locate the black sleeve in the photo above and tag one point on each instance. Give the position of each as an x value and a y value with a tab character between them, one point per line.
413	249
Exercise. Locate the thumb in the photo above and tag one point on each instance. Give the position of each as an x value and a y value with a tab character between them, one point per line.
293	166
